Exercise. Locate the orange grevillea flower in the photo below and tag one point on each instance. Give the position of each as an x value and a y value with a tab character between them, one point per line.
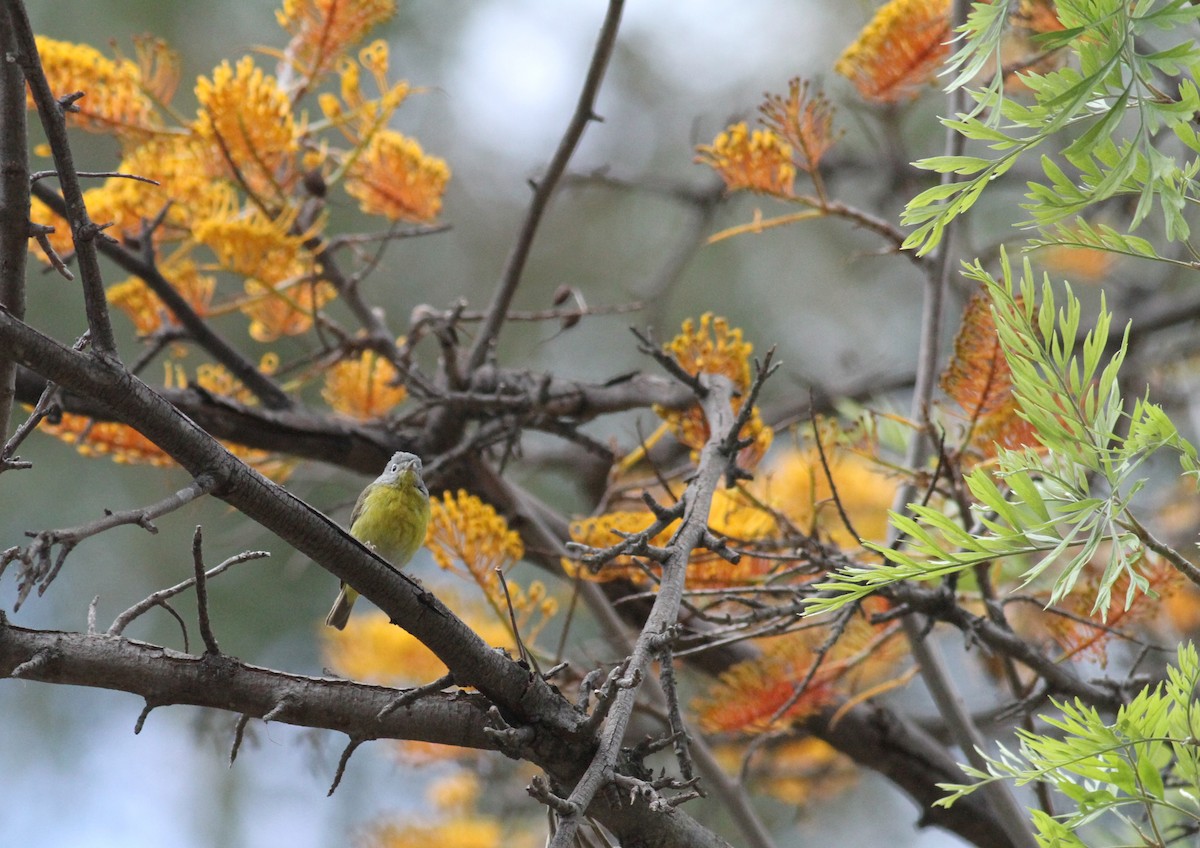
158	66
114	100
322	30
147	311
120	442
392	177
748	695
899	51
978	379
364	387
804	122
253	244
797	485
286	309
248	118
758	161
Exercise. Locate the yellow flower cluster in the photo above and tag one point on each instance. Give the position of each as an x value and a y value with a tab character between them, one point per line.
462	528
714	348
602	531
114	100
147	311
246	116
364	387
899	51
759	161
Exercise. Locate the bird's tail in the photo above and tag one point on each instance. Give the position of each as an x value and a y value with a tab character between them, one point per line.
340	614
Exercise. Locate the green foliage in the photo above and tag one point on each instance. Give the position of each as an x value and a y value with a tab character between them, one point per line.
1144	768
1063	504
1108	95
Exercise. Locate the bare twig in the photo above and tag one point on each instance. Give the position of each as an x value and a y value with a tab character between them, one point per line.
41	566
84	232
206	632
584	114
124	619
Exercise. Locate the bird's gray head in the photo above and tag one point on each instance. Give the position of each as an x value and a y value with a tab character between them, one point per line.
400	463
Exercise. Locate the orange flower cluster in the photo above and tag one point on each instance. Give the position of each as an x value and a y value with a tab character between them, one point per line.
365	387
322	30
394	178
804	122
899	51
748	695
978	379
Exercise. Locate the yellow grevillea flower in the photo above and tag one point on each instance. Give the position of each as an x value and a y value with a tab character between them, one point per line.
714	348
114	100
601	531
322	30
899	51
759	161
147	311
357	115
373	649
250	243
455	793
394	178
799	487
248	118
364	387
287	309
463	529
158	66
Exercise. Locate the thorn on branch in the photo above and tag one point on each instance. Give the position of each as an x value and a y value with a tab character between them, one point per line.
539	790
67	101
411	695
142	716
285	703
34	664
239	732
511	741
341	768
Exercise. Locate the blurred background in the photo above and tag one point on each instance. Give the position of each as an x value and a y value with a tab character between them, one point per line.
499	82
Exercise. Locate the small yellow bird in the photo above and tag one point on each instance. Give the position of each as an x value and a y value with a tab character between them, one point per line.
390	518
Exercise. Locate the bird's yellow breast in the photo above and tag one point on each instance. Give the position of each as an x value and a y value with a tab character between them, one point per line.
392	519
